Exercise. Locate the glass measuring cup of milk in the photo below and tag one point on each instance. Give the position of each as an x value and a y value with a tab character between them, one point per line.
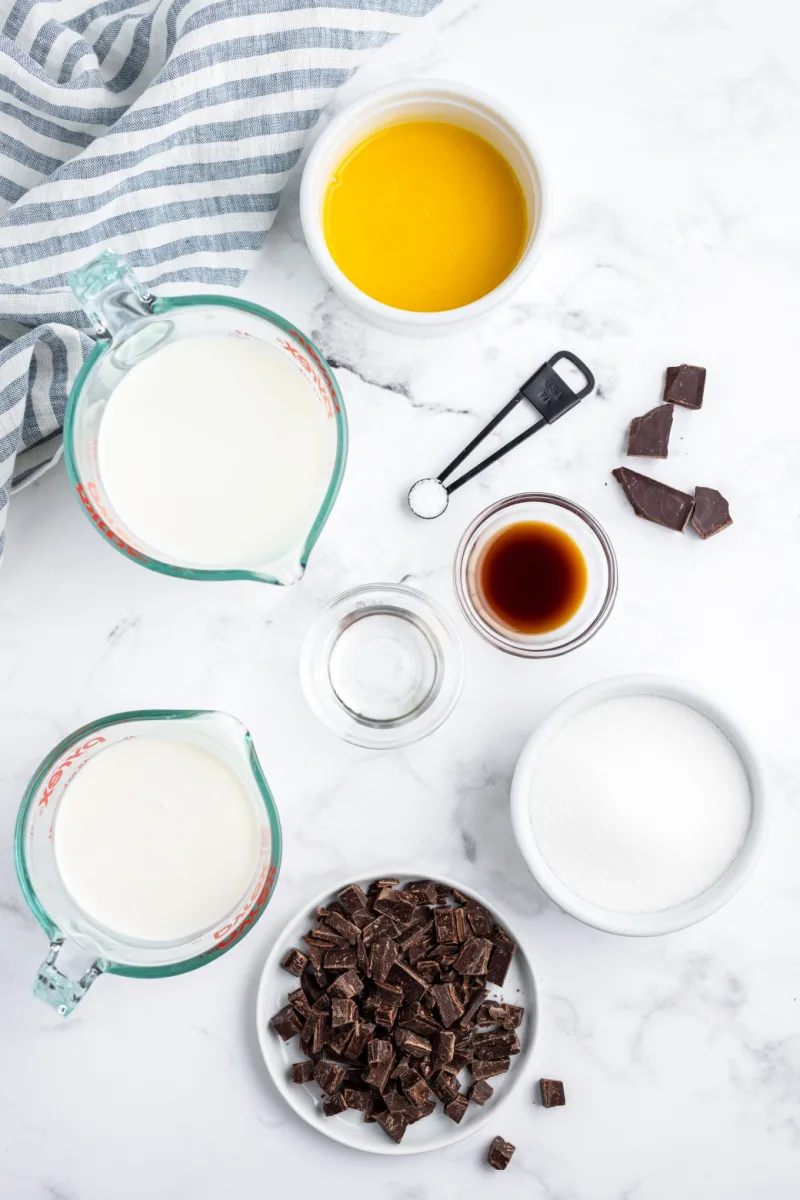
205	436
163	927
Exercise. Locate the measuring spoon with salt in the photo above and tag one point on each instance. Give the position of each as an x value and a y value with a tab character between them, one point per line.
549	394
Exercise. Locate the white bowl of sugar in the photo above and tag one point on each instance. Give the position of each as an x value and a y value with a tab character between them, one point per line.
638	805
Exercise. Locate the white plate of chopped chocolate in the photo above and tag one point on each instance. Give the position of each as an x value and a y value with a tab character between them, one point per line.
396	1013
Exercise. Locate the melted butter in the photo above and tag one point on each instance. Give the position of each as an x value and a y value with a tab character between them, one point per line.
425	216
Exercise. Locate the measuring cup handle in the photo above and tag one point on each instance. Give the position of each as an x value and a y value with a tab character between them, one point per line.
57	989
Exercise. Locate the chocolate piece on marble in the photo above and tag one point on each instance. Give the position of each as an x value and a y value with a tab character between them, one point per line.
711	512
655	501
648	435
500	1154
685	385
552	1091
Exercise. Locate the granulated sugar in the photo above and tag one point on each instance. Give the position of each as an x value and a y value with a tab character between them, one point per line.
639	803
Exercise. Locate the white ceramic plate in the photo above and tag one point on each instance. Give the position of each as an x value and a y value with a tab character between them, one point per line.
349	1127
669	919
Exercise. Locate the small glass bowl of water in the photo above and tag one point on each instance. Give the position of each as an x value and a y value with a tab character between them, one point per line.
382	666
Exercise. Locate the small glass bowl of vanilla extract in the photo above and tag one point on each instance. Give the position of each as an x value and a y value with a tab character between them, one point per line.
536	575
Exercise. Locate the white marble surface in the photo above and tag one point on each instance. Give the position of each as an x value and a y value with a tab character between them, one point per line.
670	129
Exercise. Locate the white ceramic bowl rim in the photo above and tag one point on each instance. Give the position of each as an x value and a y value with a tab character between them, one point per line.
312	224
667	920
297	1097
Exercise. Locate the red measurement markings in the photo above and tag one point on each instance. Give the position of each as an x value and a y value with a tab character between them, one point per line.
99	516
72	757
249	913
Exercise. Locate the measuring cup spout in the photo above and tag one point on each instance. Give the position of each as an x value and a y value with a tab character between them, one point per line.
59	990
285	572
110	293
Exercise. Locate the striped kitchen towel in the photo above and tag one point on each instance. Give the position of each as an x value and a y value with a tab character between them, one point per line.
165	129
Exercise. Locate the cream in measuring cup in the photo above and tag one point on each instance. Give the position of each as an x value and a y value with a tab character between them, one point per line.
205	436
147	844
212	451
156	839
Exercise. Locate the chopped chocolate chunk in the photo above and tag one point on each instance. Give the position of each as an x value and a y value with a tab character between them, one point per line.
299	1002
552	1093
358	1098
286	1023
323	935
500	1154
413	985
417	933
495	1045
344	928
302	1072
394	1124
343	1012
416	1017
340	958
685	385
362	917
504	951
322	1005
480	919
711	513
377	1074
415	1087
445	1086
419	951
508	1015
487	1068
333	1105
480	1092
337	1039
382	957
425	890
394	1101
380	884
322	1032
445	922
655	501
474	956
456	1108
444	1047
463	930
386	1014
347	985
382	926
412	1043
352	899
474	1002
420	1112
294	962
429	971
397	905
328	1076
448	1003
362	1033
648	436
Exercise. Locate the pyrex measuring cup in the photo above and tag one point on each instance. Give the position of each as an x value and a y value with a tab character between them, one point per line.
75	936
132	324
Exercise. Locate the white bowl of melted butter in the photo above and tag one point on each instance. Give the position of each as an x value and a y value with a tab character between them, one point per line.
638	805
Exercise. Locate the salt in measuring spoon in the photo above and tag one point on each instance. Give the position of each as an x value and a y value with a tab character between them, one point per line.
549	394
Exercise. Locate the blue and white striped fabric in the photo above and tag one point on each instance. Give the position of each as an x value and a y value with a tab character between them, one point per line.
165	129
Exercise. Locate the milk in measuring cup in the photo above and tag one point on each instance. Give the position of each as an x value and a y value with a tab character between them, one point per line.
156	839
212	451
